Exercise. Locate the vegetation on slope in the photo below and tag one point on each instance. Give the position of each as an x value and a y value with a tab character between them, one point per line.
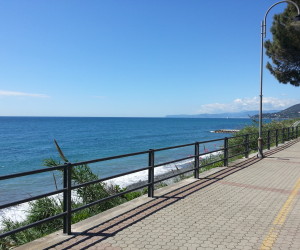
252	130
289	113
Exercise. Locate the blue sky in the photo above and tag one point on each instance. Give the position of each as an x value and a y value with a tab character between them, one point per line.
140	58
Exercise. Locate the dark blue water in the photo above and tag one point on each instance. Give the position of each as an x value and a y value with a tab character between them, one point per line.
26	141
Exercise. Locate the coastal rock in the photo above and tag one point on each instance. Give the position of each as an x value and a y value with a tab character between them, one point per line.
226	131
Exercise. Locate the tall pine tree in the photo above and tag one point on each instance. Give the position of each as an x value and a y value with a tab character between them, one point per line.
284	49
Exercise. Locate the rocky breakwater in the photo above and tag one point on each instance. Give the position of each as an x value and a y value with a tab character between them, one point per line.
226	131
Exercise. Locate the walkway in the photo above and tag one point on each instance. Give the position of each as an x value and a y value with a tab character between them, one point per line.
254	204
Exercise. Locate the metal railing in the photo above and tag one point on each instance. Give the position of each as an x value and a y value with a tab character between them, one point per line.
228	151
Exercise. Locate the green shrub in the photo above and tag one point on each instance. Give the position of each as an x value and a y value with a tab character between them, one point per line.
253	137
207	163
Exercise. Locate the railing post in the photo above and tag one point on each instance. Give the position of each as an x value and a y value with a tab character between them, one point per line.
282	135
67	201
246	142
225	151
65	194
196	167
288	137
276	138
297	131
151	174
293	133
268	140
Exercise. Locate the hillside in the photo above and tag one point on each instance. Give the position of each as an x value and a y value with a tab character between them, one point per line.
242	114
291	112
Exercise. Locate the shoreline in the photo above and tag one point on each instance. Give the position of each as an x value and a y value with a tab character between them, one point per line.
19	213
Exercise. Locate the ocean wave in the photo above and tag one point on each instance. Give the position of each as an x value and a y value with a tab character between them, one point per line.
16	213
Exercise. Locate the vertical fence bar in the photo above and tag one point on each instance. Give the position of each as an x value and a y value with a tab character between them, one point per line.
294	129
196	167
285	134
69	203
246	142
276	137
151	174
297	131
225	151
67	207
289	135
65	195
282	135
269	140
293	133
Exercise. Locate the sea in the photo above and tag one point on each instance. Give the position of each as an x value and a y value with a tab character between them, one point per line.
26	142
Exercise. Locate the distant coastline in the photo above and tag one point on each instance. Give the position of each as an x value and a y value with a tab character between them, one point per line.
238	115
289	113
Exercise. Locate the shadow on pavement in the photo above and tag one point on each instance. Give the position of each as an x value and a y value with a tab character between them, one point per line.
97	234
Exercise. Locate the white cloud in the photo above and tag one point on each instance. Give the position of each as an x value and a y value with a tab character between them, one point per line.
247	104
14	93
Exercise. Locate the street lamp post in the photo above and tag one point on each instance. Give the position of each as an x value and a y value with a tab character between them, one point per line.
263	35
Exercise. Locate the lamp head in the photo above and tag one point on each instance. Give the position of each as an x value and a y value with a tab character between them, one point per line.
296	23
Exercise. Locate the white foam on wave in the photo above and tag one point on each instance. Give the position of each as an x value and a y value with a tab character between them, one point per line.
20	212
130	179
15	213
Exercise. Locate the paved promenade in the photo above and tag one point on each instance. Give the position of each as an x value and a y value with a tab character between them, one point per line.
253	204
